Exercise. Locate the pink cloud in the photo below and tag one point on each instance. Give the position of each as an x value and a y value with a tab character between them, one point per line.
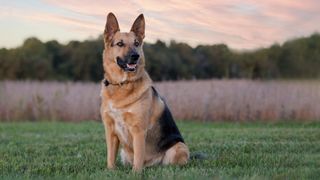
240	24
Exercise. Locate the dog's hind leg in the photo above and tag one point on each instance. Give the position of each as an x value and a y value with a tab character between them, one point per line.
177	154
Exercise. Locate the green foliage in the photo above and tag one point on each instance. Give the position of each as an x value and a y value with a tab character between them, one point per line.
299	58
234	151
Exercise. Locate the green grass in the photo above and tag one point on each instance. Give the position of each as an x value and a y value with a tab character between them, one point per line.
251	150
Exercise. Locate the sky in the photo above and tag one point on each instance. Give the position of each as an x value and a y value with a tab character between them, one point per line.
241	24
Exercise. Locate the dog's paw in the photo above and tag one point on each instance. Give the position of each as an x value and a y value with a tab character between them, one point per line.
136	169
111	167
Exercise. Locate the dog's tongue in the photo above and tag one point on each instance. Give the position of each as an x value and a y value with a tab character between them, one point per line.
131	66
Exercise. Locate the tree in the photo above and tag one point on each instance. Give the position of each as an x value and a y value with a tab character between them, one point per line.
82	61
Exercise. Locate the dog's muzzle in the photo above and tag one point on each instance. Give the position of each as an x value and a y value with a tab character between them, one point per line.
129	63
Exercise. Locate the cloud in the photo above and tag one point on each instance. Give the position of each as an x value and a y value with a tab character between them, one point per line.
240	24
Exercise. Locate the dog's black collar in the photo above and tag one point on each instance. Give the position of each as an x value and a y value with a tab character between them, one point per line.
107	83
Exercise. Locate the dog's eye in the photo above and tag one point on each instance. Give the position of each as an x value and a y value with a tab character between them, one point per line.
120	44
136	43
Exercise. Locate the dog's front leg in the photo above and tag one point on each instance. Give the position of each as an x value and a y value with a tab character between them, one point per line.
112	145
138	135
111	140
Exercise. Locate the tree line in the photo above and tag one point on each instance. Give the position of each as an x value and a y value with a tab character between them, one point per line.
82	61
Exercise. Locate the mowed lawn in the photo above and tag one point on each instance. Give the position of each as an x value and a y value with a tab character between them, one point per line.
248	150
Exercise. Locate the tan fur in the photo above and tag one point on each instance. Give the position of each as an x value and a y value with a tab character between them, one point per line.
177	154
130	110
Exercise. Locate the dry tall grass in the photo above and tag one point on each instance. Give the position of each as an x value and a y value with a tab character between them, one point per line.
210	100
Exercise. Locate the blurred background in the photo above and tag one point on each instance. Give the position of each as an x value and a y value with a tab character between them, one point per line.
212	61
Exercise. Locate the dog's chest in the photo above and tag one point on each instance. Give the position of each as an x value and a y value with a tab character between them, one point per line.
120	127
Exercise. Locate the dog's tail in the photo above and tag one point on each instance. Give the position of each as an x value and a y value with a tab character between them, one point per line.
198	156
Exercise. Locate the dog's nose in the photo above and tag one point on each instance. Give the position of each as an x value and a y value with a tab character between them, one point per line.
135	57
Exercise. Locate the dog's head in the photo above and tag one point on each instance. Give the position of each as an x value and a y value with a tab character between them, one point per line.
124	49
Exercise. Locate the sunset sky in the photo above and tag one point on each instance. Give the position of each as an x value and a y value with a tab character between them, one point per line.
241	24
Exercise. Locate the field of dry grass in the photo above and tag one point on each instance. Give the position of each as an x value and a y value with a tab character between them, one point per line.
207	100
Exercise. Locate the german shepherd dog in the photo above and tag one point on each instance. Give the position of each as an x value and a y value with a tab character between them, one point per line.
133	113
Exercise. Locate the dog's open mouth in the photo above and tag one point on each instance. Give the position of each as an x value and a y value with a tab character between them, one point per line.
127	66
131	67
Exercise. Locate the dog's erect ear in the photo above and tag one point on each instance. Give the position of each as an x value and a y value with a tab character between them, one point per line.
138	27
111	28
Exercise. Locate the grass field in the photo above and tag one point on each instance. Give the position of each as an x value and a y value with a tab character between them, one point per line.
77	150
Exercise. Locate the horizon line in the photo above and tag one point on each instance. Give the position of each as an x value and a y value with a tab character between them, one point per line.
91	38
